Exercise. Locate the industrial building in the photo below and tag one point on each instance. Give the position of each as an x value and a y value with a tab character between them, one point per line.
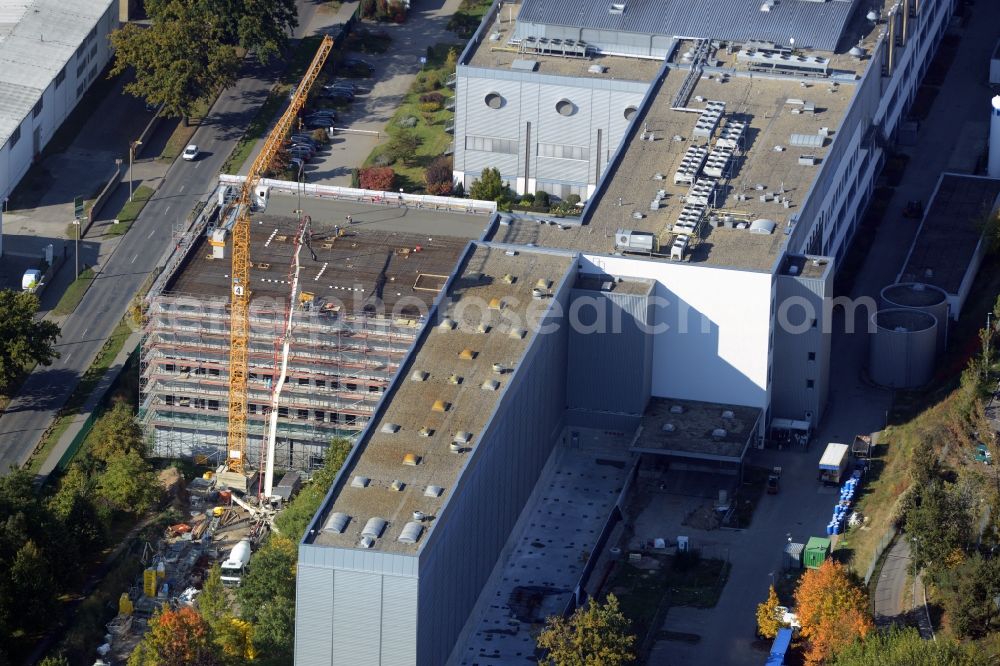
50	53
726	155
367	286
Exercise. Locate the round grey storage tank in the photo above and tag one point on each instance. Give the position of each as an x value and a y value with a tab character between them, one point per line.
924	297
902	347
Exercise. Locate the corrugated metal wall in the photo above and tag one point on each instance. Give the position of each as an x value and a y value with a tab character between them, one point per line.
791	396
530	98
476	522
314	619
610	358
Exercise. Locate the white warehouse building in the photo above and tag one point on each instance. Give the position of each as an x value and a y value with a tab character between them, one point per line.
50	53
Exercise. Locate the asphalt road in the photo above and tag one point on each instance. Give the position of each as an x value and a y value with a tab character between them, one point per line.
107	300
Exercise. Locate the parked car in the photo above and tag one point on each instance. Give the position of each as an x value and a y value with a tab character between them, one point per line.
297	164
773	481
303	138
358	63
339	96
190	153
329	116
301	153
318	123
338	85
309	151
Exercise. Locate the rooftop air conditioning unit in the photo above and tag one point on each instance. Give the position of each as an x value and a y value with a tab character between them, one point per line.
719	433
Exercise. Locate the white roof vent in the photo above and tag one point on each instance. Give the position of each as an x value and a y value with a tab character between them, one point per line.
398	485
763	226
433	491
419	376
447	324
390	428
455	447
676	409
374	527
669	427
366	542
719	433
360	482
617	8
727	414
411	532
491	385
463	437
337	522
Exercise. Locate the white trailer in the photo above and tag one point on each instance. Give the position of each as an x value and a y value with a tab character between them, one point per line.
833	463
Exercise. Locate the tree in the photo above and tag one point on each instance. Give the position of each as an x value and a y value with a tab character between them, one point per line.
292	522
403	145
382	179
767	615
261	26
176	638
116	434
438	176
129	484
968	593
489	186
32	586
212	602
595	635
23	340
267	595
180	60
832	609
905	646
941	523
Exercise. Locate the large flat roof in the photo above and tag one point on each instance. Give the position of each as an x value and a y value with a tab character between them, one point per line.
693	429
499	53
817	25
449	399
773	108
950	231
415	250
37	39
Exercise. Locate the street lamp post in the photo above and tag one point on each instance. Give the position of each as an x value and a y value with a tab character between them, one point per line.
131	158
76	253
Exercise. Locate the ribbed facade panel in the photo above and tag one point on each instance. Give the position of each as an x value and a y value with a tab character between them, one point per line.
609	338
399	621
357	619
314	626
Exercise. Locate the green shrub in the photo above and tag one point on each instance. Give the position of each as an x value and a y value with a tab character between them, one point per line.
432	97
542	199
429	107
428	81
409	122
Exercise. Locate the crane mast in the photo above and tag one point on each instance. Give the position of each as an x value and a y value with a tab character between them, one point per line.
239	335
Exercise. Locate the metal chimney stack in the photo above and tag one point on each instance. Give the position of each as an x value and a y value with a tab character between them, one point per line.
994	163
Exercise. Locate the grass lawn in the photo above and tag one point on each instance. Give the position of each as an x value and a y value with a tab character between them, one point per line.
74	293
429	128
182	134
105	357
130	211
641	591
468	17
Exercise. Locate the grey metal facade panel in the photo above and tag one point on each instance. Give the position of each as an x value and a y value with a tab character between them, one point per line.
314	620
461	550
792	367
591	82
357	618
399	621
354	559
609	340
813	24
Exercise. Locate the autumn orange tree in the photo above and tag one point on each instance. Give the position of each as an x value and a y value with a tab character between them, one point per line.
595	635
176	638
832	609
767	615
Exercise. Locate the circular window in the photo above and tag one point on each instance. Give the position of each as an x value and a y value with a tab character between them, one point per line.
564	107
494	100
630	112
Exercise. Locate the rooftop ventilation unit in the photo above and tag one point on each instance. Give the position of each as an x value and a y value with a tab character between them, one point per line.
447	324
411	459
390	428
727	414
467	354
764	58
731	134
491	385
455	447
668	427
397	485
517	333
508	278
718	160
499	369
425	432
808	160
709	119
454	380
687	171
596	69
360	482
679	248
433	491
440	406
857	52
366	542
677	409
542	283
719	433
483	328
496	304
337	522
764	227
419	376
463	437
617	8
411	532
374	527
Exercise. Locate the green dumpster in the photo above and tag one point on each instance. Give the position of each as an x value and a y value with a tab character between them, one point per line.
817	549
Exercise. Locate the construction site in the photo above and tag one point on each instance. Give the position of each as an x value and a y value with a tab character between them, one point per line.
368	272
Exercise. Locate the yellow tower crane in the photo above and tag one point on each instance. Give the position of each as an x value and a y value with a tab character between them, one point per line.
239	334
